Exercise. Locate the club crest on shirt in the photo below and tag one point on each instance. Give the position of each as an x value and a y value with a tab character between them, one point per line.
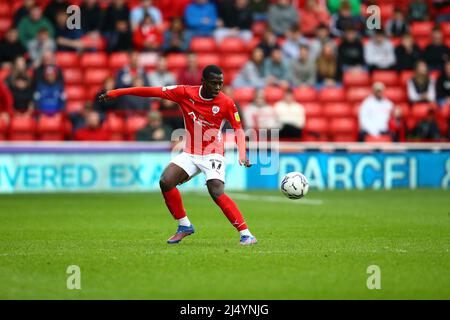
215	109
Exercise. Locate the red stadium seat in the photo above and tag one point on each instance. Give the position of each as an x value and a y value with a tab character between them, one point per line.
93	42
252	44
422	29
118	60
206	59
396	94
273	94
305	94
72	76
23	128
445	27
74	106
3	129
5	10
258	28
177	61
229	76
234	61
356	78
203	45
75	93
5	24
313	109
51	128
67	59
422	42
133	124
382	138
389	78
332	95
405	109
92	91
387	11
344	129
420	110
95	76
244	95
337	110
358	94
94	60
232	45
405	76
316	129
115	126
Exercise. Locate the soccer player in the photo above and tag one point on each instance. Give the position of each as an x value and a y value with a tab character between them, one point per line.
205	109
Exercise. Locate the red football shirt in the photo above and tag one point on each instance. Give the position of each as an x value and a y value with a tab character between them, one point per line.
203	118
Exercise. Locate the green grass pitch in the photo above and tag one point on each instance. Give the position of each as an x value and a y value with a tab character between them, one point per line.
316	249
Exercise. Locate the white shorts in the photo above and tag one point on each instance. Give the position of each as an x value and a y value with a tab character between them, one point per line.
212	165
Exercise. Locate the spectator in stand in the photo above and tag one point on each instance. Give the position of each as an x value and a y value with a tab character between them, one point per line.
436	53
161	77
92	16
252	73
322	37
442	9
117	11
407	53
93	129
155	130
19	68
106	106
176	38
291	116
312	15
52	9
282	16
120	39
350	51
125	75
443	85
131	103
335	5
344	19
49	96
23	11
10	47
374	113
22	93
259	114
147	36
428	129
397	25
201	18
276	70
67	39
48	59
259	9
6	103
379	52
291	46
30	25
268	42
397	125
146	8
328	71
421	87
303	70
235	20
191	75
39	45
418	10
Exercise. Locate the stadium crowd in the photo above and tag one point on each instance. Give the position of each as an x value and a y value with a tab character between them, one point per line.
315	69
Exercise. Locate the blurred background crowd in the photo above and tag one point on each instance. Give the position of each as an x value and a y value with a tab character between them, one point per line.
317	70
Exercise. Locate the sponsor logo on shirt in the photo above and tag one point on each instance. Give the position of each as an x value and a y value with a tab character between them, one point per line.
236	116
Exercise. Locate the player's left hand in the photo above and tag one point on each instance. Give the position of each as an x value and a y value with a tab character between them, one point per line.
246	163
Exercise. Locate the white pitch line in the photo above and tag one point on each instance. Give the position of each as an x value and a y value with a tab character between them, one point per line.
249	197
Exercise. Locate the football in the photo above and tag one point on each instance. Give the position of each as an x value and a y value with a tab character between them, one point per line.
294	185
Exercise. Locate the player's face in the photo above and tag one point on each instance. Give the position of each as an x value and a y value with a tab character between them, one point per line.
212	85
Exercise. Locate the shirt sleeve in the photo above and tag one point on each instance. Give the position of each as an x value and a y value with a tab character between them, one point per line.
233	116
172	93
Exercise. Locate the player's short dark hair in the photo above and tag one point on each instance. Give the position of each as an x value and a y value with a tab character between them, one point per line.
211	69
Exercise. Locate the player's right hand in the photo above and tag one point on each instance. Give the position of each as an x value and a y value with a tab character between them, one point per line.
104	97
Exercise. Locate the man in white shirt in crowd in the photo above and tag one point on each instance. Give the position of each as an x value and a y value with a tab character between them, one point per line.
374	113
379	53
291	116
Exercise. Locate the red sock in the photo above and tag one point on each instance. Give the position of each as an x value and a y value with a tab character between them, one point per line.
174	203
231	211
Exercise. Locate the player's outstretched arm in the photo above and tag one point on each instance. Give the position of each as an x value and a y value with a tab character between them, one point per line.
240	140
137	91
